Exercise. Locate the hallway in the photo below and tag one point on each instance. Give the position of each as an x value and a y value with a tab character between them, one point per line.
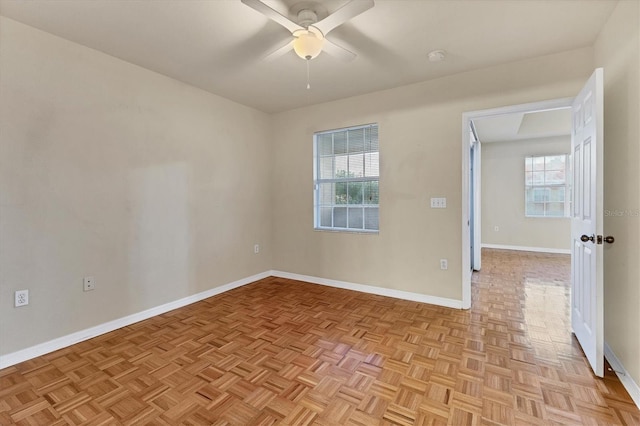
522	307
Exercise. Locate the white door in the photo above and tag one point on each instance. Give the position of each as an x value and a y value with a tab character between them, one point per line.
586	221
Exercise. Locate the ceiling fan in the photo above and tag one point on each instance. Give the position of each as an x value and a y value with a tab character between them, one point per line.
309	33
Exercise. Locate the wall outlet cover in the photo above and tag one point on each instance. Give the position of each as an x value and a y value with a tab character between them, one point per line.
89	283
21	298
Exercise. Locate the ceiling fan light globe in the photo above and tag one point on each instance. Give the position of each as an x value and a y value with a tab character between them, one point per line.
316	32
308	46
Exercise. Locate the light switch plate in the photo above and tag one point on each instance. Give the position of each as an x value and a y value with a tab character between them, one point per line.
438	203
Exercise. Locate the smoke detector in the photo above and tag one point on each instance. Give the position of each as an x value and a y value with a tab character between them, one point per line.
436	55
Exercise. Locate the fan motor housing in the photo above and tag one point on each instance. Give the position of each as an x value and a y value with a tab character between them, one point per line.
298	10
307	17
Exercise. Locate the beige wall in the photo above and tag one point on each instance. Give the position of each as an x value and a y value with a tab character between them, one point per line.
618	51
502	189
157	189
420	149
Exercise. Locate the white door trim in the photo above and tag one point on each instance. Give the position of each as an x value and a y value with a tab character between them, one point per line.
467	117
477	207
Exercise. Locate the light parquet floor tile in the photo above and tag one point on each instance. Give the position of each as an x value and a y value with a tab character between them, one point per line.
284	352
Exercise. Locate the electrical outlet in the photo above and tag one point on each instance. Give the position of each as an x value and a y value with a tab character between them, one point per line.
21	298
256	248
444	265
89	283
496	228
438	203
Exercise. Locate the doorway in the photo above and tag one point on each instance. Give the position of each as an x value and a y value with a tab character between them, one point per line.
587	145
471	196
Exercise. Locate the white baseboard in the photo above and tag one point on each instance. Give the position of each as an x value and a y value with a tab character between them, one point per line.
627	381
79	336
523	248
380	291
43	348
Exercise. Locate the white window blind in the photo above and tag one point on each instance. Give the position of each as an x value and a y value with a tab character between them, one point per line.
346	177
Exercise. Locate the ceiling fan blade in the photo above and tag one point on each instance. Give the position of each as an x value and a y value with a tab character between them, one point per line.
279	52
342	15
338	52
273	14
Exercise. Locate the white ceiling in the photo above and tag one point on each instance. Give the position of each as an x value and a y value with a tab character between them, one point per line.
217	45
524	125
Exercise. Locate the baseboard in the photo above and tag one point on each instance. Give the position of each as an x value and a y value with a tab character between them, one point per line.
627	381
523	248
79	336
380	291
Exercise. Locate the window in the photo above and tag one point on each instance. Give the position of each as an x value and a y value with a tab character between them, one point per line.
547	186
346	177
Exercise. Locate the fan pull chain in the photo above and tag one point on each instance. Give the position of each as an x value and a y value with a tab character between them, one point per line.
308	84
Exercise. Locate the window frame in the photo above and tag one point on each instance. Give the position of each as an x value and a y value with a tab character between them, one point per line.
566	185
317	181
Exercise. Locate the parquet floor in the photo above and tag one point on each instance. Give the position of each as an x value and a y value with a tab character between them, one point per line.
291	353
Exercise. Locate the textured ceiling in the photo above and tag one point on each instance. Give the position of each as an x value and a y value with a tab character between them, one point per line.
218	45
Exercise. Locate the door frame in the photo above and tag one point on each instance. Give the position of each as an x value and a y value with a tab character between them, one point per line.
475	208
467	118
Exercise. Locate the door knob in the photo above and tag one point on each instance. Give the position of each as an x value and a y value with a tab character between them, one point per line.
609	239
586	238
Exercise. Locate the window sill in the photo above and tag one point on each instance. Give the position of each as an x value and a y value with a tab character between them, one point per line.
546	217
348	231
